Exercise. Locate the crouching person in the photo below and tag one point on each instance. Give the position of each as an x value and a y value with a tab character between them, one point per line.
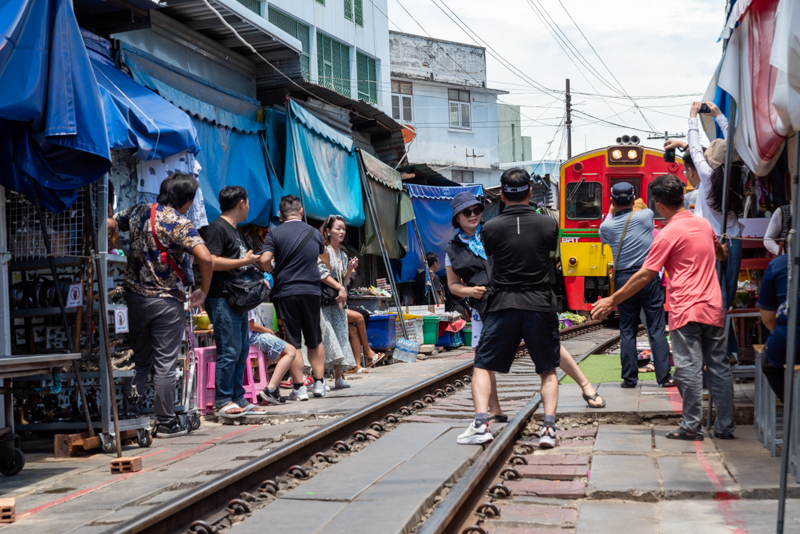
284	356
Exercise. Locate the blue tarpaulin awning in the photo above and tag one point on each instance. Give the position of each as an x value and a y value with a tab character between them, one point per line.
52	126
321	168
433	213
136	117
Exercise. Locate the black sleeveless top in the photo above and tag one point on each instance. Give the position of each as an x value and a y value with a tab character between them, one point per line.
471	269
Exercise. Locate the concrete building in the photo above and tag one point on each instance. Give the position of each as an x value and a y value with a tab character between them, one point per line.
439	88
512	145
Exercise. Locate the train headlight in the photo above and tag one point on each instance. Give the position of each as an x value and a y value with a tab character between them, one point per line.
632	154
616	154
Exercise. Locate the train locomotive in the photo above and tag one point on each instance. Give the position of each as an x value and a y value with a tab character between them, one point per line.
585	183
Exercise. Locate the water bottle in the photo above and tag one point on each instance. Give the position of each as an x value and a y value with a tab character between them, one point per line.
401	351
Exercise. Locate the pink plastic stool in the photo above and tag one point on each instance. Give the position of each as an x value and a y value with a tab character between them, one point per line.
256	377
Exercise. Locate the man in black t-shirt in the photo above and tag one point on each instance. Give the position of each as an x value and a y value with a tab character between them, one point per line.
296	247
521	306
231	332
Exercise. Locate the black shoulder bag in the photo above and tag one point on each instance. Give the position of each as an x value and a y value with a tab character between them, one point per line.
246	290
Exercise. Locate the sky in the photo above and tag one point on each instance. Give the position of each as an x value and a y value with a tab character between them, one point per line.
651	48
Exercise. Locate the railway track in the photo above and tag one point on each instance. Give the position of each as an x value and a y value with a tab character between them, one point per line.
201	508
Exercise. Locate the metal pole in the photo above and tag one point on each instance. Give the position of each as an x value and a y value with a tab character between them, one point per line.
568	121
371	205
424	260
724	225
791	342
63	309
100	251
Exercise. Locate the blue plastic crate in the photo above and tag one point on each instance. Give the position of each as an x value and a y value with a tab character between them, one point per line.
381	333
450	340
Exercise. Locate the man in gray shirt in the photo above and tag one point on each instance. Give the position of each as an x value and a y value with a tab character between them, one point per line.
650	299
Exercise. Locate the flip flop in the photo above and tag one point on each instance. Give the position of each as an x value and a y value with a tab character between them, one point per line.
223	411
252	409
683	435
649	368
498	418
587	398
377	359
360	370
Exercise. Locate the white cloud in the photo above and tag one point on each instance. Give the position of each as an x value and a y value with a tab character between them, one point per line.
653	48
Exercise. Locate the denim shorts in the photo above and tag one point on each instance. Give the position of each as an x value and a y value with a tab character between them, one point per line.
271	346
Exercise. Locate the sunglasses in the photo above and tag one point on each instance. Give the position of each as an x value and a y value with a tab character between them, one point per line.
477	210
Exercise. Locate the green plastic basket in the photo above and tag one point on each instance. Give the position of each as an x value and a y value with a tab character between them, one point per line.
430	329
467	333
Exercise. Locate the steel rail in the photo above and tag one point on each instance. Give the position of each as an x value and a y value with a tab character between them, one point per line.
206	500
454	510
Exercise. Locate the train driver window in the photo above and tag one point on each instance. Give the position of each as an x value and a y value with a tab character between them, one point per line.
584	200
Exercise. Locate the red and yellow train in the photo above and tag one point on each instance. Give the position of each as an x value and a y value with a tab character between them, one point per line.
585	196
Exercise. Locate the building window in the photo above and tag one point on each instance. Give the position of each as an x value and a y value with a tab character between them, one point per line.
359	12
402	102
333	62
366	71
321	2
252	5
463	177
299	31
460	113
348	9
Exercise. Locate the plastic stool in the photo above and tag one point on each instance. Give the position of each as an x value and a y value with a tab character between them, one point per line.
253	382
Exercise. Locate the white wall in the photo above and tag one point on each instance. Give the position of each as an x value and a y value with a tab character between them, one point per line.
372	39
439	145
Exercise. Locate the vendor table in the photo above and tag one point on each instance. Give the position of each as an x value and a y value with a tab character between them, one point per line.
369	303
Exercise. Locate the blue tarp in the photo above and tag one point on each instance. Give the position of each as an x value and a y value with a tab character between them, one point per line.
433	213
230	157
328	180
52	126
136	117
193	94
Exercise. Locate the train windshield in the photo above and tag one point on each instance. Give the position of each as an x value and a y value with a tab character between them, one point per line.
584	200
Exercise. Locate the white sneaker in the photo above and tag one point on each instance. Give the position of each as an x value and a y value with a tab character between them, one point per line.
320	388
475	436
339	383
299	394
547	440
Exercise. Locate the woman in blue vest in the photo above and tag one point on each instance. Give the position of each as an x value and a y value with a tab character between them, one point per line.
469	277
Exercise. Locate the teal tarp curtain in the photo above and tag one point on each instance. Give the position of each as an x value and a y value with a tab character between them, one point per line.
321	168
230	157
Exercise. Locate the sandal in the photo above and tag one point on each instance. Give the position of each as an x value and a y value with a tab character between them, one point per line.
685	436
498	418
252	409
379	357
669	383
588	398
223	411
649	368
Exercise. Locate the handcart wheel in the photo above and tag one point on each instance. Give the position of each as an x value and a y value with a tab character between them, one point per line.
144	438
195	422
16	467
109	445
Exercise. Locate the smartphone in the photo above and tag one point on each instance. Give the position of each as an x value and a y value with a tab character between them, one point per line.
704	108
669	155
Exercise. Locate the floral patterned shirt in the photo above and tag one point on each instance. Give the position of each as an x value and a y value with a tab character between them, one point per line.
145	275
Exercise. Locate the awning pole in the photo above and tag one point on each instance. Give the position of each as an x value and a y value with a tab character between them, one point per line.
371	205
724	226
791	341
424	260
57	280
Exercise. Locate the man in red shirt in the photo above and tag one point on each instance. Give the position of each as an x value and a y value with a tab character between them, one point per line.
687	247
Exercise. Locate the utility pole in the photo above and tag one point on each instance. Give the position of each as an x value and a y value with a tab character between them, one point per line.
569	122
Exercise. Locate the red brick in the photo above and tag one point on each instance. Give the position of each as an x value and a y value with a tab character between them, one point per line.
531	530
536	515
553	472
557	459
7	508
562	489
577	433
131	464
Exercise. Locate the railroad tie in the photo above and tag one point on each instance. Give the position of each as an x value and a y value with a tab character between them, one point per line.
130	464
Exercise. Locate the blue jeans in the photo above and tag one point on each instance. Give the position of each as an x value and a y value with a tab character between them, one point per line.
232	336
729	285
650	300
